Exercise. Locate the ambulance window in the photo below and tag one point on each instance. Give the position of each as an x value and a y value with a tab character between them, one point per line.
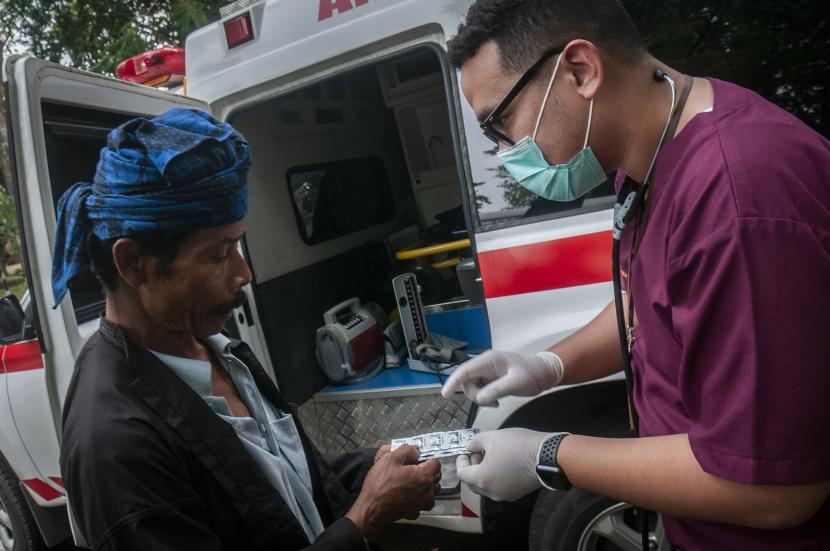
74	138
500	201
335	199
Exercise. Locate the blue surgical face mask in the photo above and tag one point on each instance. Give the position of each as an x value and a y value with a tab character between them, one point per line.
564	182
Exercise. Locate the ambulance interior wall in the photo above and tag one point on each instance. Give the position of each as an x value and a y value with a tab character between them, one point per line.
74	137
339	119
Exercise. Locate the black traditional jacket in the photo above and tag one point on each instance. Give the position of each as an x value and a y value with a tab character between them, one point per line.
148	466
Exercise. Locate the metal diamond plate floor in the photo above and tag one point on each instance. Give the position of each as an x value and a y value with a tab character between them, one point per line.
338	426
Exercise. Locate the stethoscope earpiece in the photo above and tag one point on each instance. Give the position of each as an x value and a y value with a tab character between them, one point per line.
659	75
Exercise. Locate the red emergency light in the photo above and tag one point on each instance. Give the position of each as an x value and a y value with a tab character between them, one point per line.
239	30
155	67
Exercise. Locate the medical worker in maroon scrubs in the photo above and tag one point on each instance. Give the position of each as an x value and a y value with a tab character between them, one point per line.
726	269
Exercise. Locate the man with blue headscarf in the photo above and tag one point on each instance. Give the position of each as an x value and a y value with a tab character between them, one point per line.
174	437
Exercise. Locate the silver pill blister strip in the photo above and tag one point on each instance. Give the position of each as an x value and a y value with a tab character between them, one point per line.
435	445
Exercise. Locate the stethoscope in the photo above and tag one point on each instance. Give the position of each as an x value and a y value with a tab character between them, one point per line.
631	200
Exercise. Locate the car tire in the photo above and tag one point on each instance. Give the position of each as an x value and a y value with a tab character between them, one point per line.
18	530
578	520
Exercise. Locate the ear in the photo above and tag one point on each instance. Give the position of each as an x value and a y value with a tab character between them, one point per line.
582	61
131	266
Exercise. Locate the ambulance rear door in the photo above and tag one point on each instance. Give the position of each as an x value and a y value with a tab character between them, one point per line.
59	119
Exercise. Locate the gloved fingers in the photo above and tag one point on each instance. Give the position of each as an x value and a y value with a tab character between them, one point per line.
489	395
480	367
462	462
468	474
470	389
480	442
454	382
476	458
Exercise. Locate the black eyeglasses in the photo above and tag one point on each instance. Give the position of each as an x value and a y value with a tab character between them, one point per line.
487	124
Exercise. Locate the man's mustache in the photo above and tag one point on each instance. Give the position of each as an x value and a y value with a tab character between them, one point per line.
239	299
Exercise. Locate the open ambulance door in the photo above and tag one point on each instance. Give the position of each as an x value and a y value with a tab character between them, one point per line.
59	119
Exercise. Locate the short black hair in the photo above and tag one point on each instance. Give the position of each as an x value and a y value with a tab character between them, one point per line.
525	29
163	247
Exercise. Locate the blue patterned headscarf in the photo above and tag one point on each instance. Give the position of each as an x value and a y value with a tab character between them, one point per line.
178	172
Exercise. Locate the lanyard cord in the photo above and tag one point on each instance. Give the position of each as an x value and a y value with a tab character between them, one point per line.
641	222
630	201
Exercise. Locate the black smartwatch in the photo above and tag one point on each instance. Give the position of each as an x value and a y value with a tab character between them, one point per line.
548	470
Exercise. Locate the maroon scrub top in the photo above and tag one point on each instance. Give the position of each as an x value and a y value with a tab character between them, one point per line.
731	287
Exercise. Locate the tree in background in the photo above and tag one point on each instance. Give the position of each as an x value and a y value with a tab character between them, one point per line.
5	165
8	230
10	281
96	35
778	49
8	220
93	35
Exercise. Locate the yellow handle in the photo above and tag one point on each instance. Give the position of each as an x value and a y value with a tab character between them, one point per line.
409	254
449	263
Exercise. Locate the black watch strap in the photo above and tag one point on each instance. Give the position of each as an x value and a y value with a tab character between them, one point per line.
550	473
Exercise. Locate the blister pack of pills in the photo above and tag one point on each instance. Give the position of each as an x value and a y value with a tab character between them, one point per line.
435	445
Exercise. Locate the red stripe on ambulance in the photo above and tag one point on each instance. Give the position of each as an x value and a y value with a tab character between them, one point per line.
557	264
22	356
42	489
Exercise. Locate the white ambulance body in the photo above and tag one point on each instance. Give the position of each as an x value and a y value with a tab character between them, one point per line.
359	138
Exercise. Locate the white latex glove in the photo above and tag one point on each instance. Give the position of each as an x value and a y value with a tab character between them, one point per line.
494	374
502	465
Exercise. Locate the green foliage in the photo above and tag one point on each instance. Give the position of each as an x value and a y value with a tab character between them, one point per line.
9	241
18	290
98	34
778	49
94	35
8	223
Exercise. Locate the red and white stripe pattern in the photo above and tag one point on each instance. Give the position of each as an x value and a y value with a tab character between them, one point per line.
543	281
547	265
44	492
21	356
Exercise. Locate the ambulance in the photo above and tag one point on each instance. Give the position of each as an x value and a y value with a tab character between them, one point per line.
367	163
